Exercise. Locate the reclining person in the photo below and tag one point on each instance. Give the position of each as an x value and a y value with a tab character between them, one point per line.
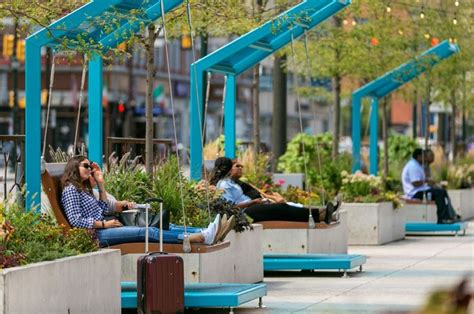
417	186
226	175
83	210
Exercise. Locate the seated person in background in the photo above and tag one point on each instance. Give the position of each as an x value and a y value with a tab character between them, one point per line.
417	186
83	210
226	175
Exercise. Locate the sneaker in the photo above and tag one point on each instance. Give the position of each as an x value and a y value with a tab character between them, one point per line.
227	228
330	209
211	231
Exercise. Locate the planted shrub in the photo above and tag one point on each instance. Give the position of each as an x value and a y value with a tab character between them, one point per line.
28	237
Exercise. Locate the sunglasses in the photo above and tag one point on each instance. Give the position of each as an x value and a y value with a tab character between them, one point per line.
86	166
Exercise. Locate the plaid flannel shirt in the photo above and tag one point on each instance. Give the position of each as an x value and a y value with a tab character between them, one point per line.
82	209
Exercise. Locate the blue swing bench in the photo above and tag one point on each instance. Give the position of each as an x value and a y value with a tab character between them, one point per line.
344	262
308	261
421	227
205	295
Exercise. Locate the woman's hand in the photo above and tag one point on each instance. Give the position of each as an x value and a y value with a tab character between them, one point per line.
124	205
114	223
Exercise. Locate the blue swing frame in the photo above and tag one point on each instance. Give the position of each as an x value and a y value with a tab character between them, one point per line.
242	54
69	26
383	86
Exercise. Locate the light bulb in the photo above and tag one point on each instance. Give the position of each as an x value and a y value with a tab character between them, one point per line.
389	9
455	21
354	23
345	22
400	31
422	15
456	3
427	35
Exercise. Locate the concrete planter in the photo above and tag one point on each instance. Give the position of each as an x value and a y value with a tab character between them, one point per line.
374	223
332	240
241	262
463	202
88	283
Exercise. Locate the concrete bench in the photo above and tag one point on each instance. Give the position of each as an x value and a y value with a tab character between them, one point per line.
241	262
420	228
417	210
374	223
295	237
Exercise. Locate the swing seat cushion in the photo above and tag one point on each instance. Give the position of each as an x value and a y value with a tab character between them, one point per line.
414	227
273	261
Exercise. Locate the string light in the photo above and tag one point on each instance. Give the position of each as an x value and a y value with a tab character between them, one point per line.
345	22
455	20
456	3
354	22
389	9
427	35
400	31
422	13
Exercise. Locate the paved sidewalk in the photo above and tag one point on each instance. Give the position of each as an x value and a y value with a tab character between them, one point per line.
397	278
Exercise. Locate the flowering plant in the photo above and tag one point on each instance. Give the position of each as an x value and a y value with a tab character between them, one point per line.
363	188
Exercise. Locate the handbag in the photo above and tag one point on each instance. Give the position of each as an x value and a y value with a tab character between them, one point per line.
136	218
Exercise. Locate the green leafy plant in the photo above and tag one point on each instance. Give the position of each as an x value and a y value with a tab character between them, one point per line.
362	188
458	176
126	180
28	237
327	178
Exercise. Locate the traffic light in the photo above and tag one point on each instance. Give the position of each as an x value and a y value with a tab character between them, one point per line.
185	39
121	107
20	50
7	50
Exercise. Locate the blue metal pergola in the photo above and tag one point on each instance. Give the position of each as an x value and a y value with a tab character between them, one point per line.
80	23
384	85
240	55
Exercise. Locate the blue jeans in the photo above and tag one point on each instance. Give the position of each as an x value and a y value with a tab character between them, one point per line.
112	236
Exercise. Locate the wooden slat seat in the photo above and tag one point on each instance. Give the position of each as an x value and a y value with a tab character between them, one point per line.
275	224
50	179
416	201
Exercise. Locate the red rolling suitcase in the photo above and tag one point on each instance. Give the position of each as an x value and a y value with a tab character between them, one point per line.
160	278
160	285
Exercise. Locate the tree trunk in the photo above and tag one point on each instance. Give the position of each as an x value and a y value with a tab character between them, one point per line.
415	115
427	115
453	124
336	81
337	115
256	110
279	126
150	75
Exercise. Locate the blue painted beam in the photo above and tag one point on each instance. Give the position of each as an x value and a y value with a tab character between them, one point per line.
33	125
374	136
229	117
96	129
356	133
246	51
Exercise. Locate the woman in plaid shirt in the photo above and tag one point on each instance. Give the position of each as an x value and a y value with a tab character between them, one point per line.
83	210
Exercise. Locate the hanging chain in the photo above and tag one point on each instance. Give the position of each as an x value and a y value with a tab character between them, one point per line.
50	91
81	94
318	152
